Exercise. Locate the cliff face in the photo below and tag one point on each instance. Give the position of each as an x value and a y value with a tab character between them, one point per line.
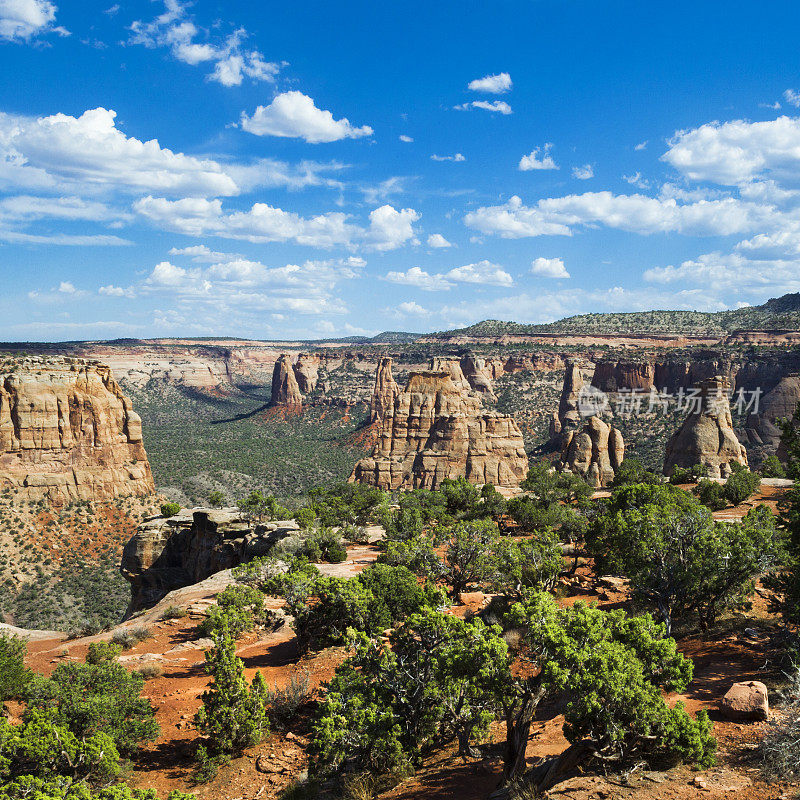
436	430
166	554
706	435
306	371
67	432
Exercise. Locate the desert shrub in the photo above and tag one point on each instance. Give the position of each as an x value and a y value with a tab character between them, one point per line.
217	499
353	503
688	475
259	506
103	652
324	544
239	608
740	485
232	715
130	637
306	518
101	698
632	471
780	758
14	675
711	494
531	516
771	467
416	553
470	557
546	487
283	702
398	590
174	612
170	509
533	563
150	670
60	788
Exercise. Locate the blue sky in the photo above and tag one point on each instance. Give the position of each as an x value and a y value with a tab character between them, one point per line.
315	169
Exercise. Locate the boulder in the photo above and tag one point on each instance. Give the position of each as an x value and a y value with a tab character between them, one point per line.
67	432
437	429
745	701
706	435
285	389
384	391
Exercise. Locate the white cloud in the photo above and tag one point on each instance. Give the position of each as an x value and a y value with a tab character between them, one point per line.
499	106
549	268
635	213
201	253
26	208
114	291
294	115
533	162
454	157
420	279
641	146
70	240
493	84
66	287
438	241
583	173
232	62
61	152
390	228
411	308
792	97
483	272
637	180
404	138
21	20
737	152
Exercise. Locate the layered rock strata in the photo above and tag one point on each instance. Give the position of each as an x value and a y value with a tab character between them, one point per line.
474	369
436	430
706	435
285	389
67	432
168	553
384	392
306	371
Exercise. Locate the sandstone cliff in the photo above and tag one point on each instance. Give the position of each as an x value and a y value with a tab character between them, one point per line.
285	389
436	430
67	432
706	435
474	370
306	371
166	554
384	392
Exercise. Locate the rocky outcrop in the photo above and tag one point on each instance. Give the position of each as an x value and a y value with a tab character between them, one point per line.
436	430
594	452
384	392
474	370
67	432
306	371
589	446
168	553
745	701
453	368
777	404
706	435
285	390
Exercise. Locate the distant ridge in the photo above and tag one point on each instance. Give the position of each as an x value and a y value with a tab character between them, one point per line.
781	313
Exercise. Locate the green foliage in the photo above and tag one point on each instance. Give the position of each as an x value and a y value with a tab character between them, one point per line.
470	557
306	518
103	652
417	554
790	444
14	675
771	467
612	668
547	487
531	516
678	560
632	471
170	509
740	485
346	503
533	563
398	590
102	698
258	506
711	494
216	498
440	680
324	544
28	787
690	475
239	608
232	716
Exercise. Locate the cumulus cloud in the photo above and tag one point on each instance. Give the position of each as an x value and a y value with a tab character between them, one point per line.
791	97
294	115
634	213
22	20
583	173
65	153
637	180
532	160
409	307
388	228
231	61
404	138
438	241
641	146
492	84
498	106
454	157
417	277
483	272
733	153
549	268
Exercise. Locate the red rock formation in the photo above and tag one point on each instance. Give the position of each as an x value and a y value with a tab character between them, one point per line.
706	435
67	432
453	368
285	391
385	390
306	371
474	370
435	431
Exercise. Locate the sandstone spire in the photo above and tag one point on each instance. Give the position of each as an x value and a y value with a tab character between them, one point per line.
384	392
706	435
306	371
285	391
